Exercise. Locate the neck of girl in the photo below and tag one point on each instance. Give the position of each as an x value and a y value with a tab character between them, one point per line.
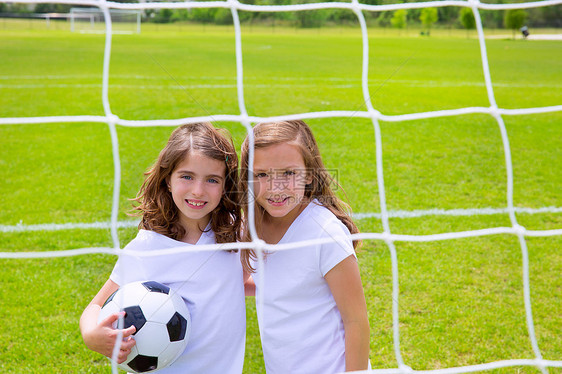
194	229
272	229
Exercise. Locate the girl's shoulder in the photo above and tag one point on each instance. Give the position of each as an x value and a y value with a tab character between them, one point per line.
320	212
318	222
317	218
146	239
150	240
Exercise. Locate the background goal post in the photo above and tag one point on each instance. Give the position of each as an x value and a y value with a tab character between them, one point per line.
92	20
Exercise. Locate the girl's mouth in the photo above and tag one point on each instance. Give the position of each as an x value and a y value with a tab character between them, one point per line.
277	201
195	204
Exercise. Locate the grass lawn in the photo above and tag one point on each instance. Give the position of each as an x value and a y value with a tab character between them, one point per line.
461	301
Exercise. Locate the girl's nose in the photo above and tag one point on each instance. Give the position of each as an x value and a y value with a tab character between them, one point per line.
198	188
279	184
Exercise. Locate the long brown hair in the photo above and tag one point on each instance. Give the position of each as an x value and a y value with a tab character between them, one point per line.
156	205
299	134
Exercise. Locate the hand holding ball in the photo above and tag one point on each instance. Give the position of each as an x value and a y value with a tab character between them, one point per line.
161	319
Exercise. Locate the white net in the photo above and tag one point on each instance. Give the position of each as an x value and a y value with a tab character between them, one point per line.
371	113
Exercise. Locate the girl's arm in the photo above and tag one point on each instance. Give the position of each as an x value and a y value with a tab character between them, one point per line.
344	281
101	337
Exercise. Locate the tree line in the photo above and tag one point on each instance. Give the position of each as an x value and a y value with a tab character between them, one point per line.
450	17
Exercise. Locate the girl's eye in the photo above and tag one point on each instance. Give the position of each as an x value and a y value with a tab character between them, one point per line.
212	180
289	172
261	175
186	177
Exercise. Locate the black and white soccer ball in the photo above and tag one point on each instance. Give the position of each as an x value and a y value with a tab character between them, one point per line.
162	323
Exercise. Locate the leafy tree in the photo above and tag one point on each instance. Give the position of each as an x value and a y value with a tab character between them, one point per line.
448	14
311	18
550	16
223	16
383	19
343	16
514	19
428	17
491	18
204	15
179	15
163	16
17	8
398	19
52	8
467	19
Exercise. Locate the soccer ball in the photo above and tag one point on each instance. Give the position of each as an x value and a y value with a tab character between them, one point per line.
161	319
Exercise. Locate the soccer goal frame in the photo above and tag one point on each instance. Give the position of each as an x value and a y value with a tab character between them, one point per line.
125	21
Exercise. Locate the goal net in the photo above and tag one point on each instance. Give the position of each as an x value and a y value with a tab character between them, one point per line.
105	18
91	20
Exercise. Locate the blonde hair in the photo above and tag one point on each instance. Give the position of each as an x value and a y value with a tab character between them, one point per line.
156	206
299	134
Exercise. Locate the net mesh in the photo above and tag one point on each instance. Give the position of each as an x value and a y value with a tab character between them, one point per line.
371	113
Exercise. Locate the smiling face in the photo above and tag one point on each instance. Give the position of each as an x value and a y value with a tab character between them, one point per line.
197	185
280	180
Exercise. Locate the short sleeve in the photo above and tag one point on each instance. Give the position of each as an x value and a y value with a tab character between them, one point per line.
334	252
129	268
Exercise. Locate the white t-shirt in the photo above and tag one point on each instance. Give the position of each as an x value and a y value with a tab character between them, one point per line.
211	284
300	326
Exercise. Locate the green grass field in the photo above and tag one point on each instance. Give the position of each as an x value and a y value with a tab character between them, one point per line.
461	301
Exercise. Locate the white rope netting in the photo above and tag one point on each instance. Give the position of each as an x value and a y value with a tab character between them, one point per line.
370	113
